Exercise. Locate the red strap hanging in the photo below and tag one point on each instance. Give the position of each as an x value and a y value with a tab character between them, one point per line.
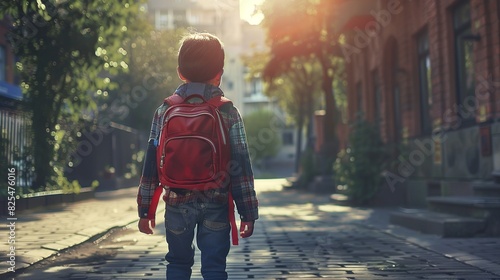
232	219
154	202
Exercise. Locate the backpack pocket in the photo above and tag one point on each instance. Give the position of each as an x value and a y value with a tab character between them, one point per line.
192	159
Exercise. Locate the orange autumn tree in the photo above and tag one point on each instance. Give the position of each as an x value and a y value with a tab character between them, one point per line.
305	29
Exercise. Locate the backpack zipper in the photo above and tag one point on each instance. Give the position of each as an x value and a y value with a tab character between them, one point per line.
219	117
221	127
187	115
182	137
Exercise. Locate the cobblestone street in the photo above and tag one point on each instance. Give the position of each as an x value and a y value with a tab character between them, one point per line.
299	236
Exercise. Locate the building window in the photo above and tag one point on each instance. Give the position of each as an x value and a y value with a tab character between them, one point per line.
180	18
253	87
424	68
256	85
162	20
287	138
359	96
376	97
193	19
3	64
464	58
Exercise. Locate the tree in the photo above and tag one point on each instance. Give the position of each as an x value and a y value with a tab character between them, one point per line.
152	76
359	167
297	91
302	28
263	139
68	50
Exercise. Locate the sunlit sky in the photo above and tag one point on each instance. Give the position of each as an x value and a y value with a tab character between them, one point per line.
247	10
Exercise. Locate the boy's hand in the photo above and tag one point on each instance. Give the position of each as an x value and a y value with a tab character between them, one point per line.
146	225
246	229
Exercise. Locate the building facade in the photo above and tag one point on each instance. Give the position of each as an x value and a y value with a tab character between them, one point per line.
427	73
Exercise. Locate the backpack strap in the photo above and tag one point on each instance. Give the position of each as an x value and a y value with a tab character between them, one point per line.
224	104
174	99
219	101
154	202
232	218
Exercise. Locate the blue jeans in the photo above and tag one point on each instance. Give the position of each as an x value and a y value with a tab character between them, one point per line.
212	236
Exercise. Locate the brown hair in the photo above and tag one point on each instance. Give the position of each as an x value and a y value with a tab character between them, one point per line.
201	57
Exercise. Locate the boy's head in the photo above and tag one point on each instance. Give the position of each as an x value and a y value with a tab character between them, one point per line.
201	57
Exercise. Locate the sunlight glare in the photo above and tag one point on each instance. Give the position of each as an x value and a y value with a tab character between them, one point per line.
247	11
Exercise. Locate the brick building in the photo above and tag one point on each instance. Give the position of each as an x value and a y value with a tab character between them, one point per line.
427	72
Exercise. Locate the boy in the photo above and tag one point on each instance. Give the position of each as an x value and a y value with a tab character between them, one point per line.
200	67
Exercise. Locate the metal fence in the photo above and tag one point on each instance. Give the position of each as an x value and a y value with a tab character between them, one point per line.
111	160
16	148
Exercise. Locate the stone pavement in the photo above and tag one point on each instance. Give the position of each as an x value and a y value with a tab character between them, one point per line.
40	234
299	236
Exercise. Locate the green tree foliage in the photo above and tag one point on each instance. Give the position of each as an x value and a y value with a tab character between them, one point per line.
152	76
263	140
67	50
302	28
359	167
297	91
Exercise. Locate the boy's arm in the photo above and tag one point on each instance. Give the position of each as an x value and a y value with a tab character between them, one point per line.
242	180
149	179
148	182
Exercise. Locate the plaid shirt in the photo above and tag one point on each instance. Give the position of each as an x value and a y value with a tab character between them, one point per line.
242	182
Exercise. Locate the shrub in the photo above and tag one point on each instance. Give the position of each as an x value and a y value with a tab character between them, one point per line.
263	139
359	167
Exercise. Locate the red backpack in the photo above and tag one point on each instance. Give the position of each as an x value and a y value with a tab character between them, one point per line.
193	149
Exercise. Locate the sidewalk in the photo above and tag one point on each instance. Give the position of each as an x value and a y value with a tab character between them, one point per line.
299	235
40	234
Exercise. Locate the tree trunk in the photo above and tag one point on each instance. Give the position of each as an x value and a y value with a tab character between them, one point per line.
300	125
43	144
310	122
329	149
43	150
